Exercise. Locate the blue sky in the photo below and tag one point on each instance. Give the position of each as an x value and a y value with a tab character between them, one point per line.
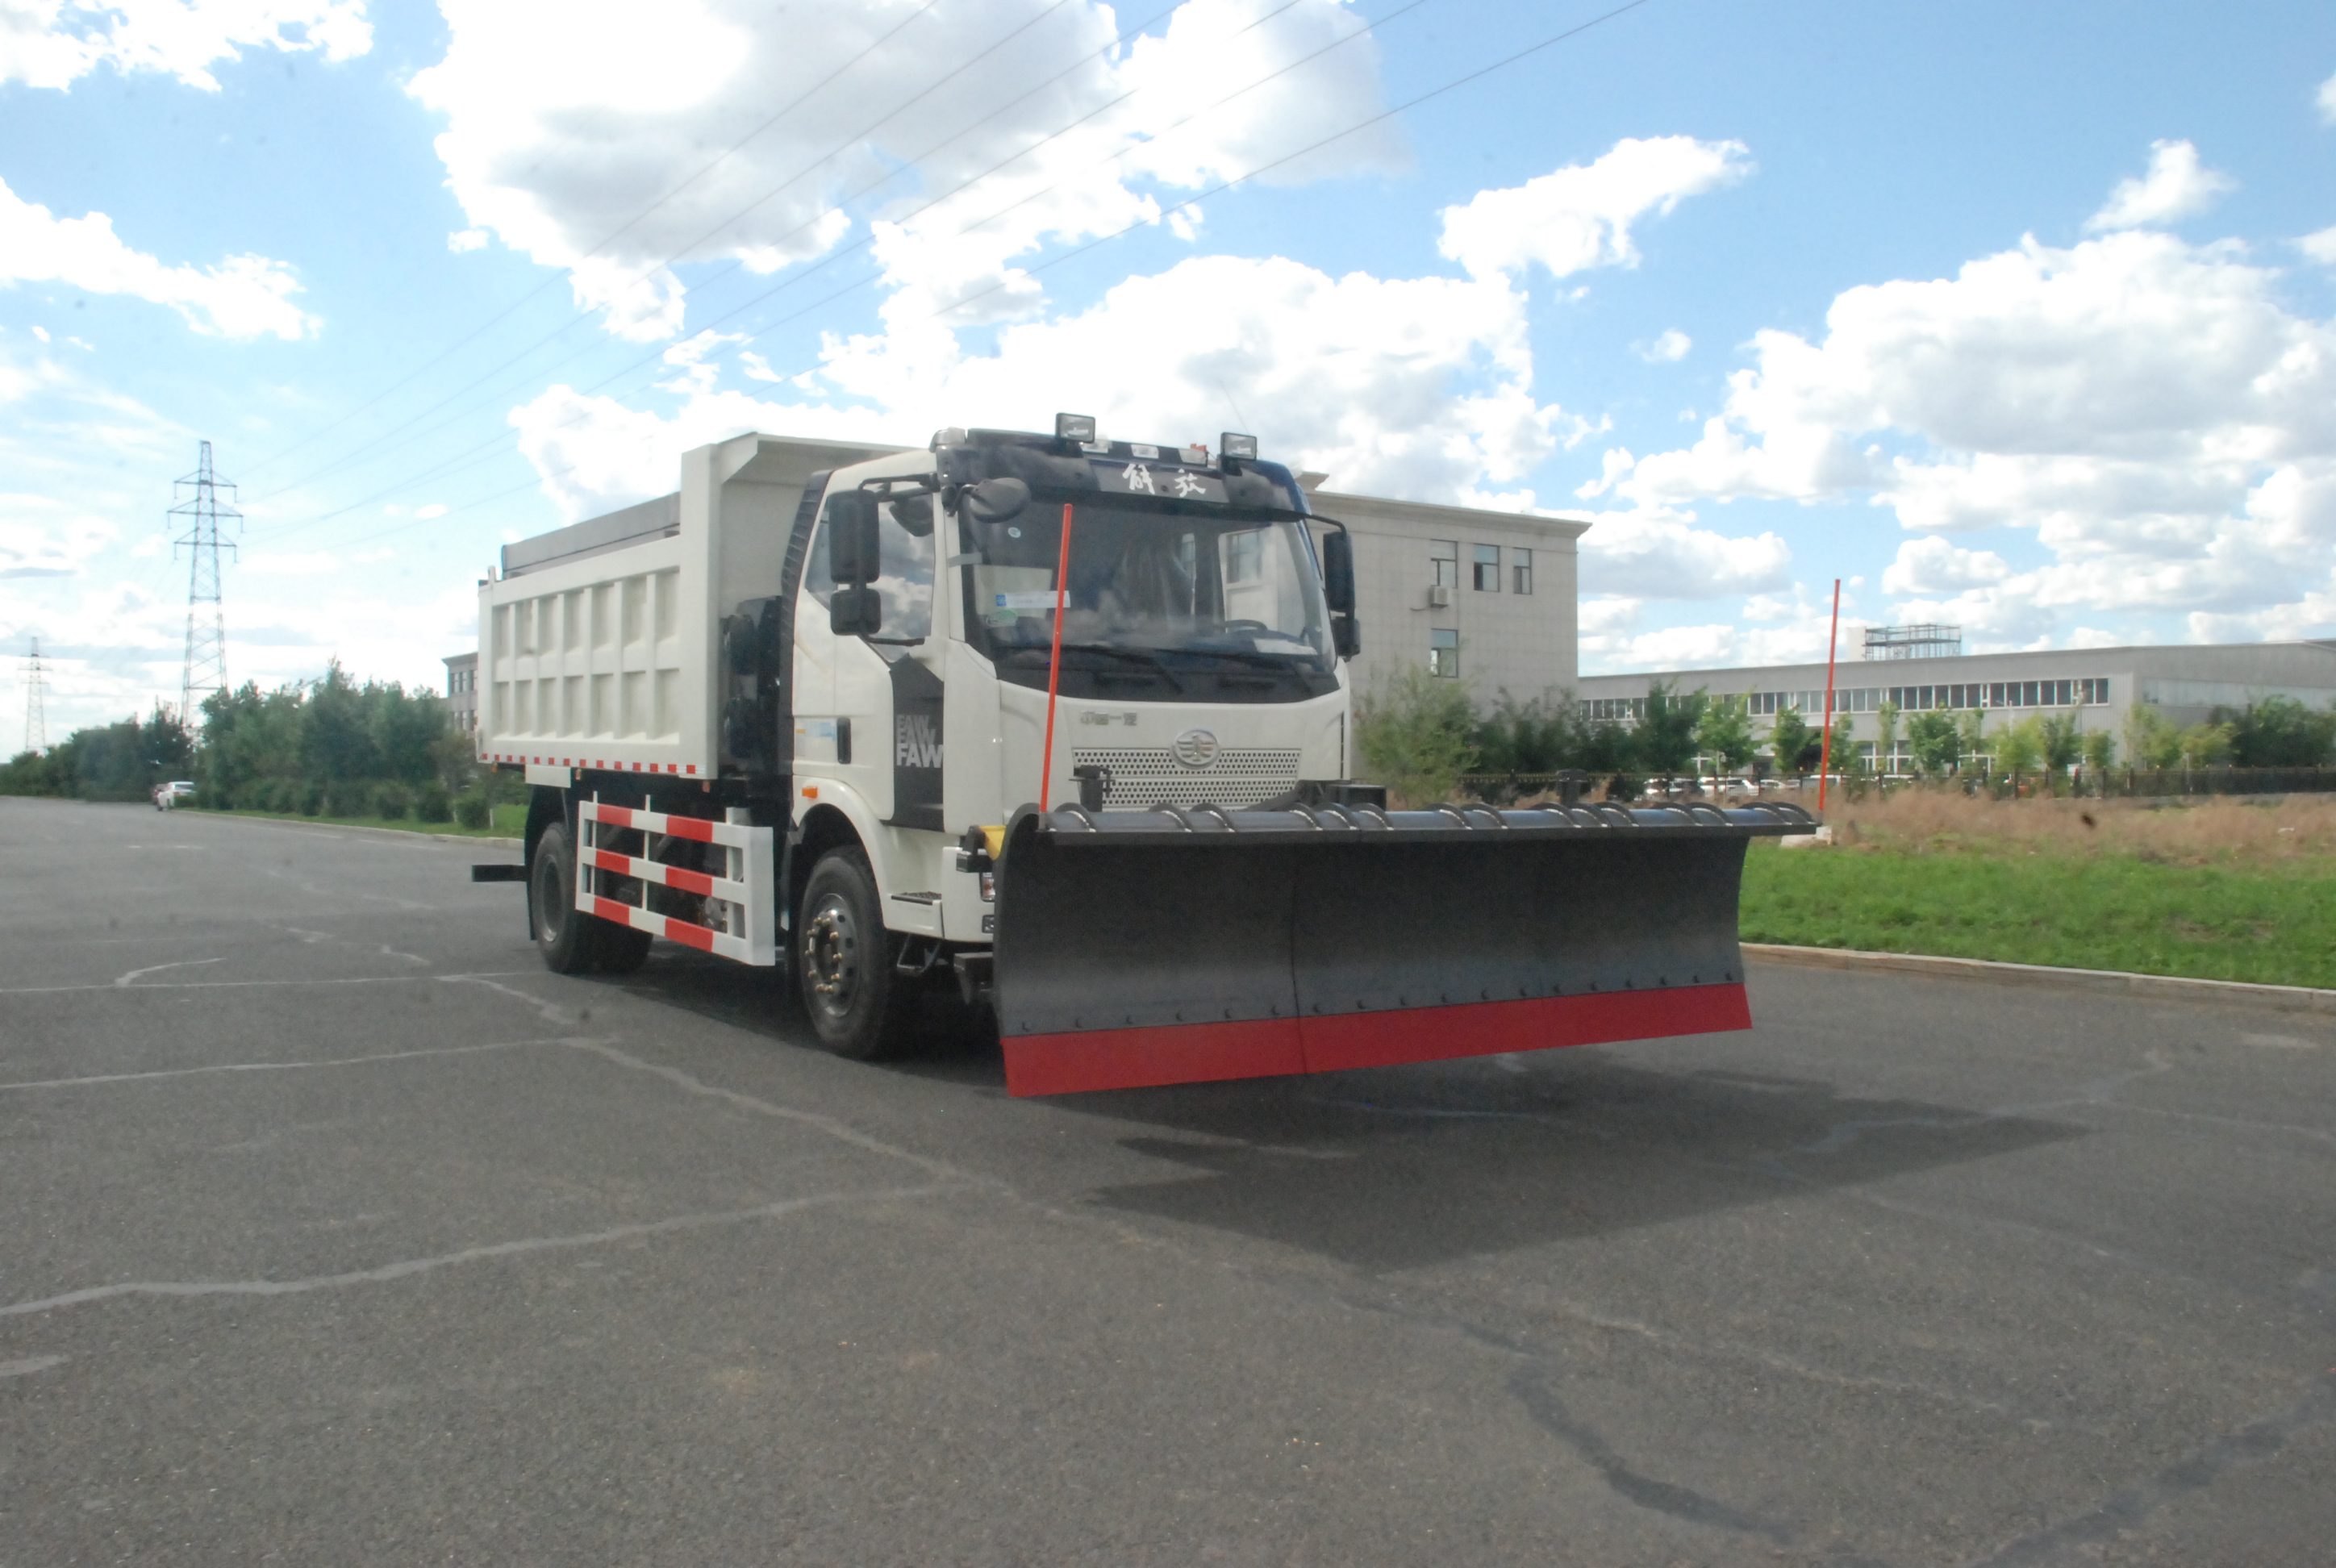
2016	316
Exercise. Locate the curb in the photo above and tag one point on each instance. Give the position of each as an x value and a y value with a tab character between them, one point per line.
399	835
2170	987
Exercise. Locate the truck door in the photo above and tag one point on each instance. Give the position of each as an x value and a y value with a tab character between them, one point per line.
888	685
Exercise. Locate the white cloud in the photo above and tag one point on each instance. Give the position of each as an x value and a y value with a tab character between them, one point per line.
242	297
1661	554
464	239
2177	186
1580	217
2150	409
2320	246
2326	98
1410	387
1932	565
1668	349
54	43
435	509
31	547
563	129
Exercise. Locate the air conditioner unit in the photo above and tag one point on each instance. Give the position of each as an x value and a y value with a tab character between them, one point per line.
1439	596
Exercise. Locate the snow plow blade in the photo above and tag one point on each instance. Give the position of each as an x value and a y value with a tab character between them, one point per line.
1177	945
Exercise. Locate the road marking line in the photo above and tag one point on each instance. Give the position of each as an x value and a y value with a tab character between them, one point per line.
237	985
278	1067
30	1365
158	969
412	1266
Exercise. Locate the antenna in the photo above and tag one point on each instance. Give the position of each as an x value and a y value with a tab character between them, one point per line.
36	722
206	668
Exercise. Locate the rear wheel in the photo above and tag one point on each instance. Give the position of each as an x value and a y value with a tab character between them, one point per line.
566	937
844	963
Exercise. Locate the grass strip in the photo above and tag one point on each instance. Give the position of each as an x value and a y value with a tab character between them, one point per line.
508	820
2270	923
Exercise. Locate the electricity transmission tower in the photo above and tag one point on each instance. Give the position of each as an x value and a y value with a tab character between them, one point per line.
37	683
206	668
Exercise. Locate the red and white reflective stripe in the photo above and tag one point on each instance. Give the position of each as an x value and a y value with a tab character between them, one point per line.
702	937
688	882
751	897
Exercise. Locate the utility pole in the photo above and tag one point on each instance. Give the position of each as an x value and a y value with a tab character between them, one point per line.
37	722
206	666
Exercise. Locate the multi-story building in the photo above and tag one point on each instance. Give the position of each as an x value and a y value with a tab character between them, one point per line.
1484	598
463	691
2097	686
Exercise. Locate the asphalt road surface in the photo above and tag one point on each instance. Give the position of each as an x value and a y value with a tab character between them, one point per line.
337	1230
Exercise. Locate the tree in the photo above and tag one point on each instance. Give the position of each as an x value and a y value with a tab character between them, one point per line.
1885	737
1790	741
2204	745
1845	759
1973	740
2151	739
1528	738
2280	732
1936	742
2099	753
1664	741
1414	733
1725	733
2019	749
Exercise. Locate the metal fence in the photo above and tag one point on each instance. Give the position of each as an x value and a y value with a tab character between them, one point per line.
2115	784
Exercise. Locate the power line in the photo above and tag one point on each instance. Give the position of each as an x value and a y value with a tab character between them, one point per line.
1454	85
205	663
799	100
455	462
358	453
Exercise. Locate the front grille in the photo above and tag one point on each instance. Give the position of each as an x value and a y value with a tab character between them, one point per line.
1151	777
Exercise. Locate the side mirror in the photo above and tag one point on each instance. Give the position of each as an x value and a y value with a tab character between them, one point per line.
854	549
1339	572
1345	636
855	611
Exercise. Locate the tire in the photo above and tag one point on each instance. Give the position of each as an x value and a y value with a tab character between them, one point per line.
844	963
568	937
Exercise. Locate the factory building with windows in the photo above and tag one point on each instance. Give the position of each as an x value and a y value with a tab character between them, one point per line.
2097	687
1485	598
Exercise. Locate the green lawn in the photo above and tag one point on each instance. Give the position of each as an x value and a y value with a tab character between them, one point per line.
2272	922
510	822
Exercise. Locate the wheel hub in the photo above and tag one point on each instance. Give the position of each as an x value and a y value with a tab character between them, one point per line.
831	956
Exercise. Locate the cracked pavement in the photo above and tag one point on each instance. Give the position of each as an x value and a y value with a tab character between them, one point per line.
338	1231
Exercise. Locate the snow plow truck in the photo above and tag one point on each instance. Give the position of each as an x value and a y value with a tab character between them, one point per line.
1063	723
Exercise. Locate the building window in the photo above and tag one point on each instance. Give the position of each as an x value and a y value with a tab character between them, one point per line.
1521	571
1487	576
1444	563
1444	653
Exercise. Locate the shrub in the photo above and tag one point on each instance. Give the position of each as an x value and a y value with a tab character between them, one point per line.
391	803
470	808
311	798
1414	735
430	803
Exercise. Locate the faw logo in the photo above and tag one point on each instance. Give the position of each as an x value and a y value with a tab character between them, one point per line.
916	741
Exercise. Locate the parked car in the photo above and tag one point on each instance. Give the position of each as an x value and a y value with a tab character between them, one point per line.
167	795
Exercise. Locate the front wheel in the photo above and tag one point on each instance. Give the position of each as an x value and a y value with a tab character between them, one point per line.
844	962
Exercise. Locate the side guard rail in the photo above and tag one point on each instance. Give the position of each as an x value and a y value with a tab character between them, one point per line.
741	903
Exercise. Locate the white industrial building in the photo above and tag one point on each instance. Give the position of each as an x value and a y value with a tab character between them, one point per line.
2097	686
1485	598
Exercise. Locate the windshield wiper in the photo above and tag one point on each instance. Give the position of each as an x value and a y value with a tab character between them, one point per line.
1134	656
1249	656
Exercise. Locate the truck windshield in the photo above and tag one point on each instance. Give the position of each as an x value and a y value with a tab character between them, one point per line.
1163	588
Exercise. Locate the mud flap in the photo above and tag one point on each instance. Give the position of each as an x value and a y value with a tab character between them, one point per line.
1176	946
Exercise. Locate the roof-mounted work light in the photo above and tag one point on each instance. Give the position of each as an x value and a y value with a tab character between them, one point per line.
1234	449
1075	427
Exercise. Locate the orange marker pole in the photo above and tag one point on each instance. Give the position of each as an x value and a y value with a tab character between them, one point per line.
1824	754
1054	664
